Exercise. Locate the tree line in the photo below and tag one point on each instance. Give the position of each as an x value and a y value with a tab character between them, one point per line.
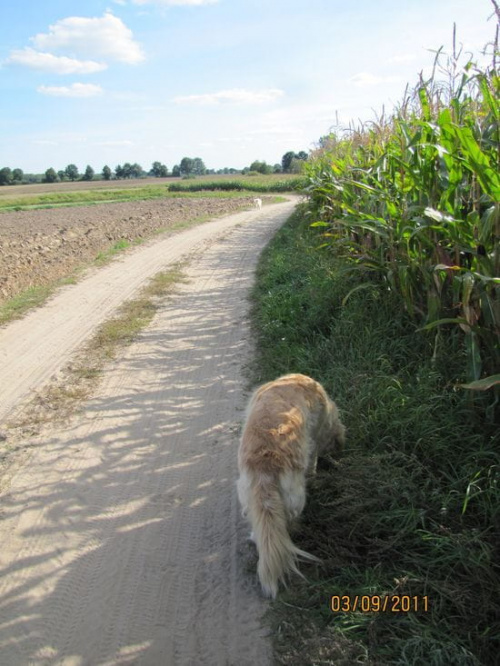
291	162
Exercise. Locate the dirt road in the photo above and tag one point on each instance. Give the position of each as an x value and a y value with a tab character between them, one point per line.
121	537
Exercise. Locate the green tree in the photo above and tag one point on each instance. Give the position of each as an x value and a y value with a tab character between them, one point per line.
186	166
50	176
286	161
176	171
5	176
136	171
127	170
159	170
61	175
106	172
261	167
296	166
17	175
119	172
199	168
71	172
89	173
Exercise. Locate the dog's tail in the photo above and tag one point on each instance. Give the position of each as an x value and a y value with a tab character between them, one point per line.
278	556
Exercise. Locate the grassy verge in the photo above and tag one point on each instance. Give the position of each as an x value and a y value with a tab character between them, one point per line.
30	298
413	506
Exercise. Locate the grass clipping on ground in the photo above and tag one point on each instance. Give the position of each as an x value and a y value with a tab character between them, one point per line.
412	508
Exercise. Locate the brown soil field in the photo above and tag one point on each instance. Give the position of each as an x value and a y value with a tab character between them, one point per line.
38	247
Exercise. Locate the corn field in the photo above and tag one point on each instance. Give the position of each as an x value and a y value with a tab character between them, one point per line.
415	200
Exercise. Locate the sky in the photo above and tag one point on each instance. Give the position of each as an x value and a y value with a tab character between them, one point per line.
230	81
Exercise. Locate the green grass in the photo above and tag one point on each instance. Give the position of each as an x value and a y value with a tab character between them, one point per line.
132	317
30	298
412	508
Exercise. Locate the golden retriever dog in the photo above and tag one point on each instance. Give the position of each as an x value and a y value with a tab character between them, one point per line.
289	422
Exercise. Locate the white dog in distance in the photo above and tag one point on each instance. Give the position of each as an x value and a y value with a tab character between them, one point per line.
289	421
257	203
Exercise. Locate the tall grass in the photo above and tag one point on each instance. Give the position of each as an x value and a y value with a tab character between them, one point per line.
414	200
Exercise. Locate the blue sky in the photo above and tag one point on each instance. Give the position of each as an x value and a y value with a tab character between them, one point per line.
230	81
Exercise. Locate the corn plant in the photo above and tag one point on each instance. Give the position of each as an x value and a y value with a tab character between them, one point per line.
415	198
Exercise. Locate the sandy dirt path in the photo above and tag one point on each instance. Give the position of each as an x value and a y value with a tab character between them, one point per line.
121	537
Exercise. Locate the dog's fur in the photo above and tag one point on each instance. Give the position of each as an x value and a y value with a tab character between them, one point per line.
289	421
257	203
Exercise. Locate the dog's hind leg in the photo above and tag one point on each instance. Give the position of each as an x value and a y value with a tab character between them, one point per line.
243	488
293	489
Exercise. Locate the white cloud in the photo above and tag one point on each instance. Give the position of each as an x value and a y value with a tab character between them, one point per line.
47	62
236	95
106	37
74	90
366	79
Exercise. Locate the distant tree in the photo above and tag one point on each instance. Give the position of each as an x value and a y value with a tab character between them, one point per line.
260	167
199	168
136	171
71	172
119	172
296	166
50	176
61	175
106	172
186	166
127	170
158	170
277	168
89	173
286	161
5	176
176	171
17	175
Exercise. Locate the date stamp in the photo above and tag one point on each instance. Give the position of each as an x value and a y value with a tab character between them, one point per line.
375	603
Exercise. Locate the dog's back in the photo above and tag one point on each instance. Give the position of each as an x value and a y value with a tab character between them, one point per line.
288	422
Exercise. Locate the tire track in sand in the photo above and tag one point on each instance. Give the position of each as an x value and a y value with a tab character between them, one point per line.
120	538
